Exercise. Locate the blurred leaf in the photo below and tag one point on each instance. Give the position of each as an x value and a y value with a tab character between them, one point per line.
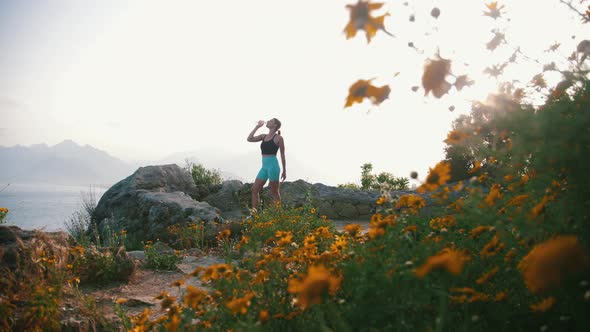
364	89
494	10
539	81
513	56
495	42
553	47
550	67
463	81
495	70
518	94
433	78
361	19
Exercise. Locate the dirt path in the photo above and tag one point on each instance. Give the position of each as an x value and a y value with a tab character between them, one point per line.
147	284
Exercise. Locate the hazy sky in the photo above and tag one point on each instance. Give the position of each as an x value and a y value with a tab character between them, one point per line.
145	79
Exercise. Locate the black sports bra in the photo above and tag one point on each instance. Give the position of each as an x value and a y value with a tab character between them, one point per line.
269	147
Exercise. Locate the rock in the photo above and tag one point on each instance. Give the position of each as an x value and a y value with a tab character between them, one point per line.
137	254
225	199
333	202
190	263
151	199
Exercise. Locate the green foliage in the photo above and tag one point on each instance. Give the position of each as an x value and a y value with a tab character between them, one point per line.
208	181
96	265
79	224
3	213
383	181
206	177
191	235
350	185
160	258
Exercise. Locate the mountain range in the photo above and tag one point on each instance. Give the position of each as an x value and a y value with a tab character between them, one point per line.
69	163
66	163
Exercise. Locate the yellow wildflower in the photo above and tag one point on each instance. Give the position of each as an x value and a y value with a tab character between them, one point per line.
413	202
552	261
492	248
517	200
352	229
121	300
476	167
194	296
474	233
468	295
443	222
263	316
487	276
456	137
539	208
317	282
216	271
285	238
500	296
339	244
411	228
544	305
323	232
261	277
451	260
224	234
378	224
493	195
437	176
240	305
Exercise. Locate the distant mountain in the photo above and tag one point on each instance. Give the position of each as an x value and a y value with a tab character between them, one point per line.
66	163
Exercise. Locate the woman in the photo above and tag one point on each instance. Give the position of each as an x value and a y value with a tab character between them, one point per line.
271	143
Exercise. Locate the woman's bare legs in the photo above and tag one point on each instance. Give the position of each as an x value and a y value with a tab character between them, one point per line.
274	191
256	188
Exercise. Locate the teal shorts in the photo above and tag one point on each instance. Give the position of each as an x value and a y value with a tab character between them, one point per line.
270	169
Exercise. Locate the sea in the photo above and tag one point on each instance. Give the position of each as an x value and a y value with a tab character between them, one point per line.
43	206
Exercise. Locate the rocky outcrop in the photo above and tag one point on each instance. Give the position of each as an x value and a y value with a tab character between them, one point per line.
151	199
333	202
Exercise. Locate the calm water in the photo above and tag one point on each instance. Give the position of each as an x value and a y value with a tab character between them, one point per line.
43	206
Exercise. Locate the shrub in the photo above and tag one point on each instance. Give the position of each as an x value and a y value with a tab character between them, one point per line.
159	257
383	181
208	181
3	213
101	266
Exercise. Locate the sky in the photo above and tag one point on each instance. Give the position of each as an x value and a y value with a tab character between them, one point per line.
142	80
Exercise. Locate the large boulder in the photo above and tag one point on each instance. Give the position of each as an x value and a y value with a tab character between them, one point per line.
226	198
151	199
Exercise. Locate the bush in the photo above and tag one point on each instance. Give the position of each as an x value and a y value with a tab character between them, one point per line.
208	181
101	266
159	257
3	213
383	181
79	223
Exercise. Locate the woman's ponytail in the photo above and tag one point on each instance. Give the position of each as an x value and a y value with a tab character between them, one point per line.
279	132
